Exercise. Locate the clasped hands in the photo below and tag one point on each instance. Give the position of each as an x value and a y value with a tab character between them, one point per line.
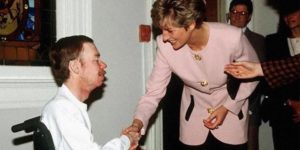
134	133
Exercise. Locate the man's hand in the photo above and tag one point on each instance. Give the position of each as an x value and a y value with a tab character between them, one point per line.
134	138
134	133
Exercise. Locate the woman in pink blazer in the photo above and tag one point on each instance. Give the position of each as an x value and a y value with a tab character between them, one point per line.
197	52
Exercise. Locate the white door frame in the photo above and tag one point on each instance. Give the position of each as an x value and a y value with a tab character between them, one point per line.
154	140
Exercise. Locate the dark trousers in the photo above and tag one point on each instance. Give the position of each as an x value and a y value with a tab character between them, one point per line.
286	137
212	143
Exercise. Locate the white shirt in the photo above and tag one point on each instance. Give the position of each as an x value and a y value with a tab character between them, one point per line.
294	46
68	122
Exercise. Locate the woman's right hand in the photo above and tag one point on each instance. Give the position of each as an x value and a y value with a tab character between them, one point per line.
136	126
134	133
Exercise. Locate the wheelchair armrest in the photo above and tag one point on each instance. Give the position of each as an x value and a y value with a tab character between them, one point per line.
28	125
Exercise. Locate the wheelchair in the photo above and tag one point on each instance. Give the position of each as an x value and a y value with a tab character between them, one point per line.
42	139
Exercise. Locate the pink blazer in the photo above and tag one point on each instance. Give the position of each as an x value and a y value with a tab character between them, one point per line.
205	80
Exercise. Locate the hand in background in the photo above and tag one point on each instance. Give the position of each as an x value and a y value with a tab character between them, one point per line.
295	105
244	70
216	118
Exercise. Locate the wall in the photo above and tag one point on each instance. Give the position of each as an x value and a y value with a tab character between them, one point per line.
23	91
115	30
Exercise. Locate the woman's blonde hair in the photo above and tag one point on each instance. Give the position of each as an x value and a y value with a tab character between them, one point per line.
179	13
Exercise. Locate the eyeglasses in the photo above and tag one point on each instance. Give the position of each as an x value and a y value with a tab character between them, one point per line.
240	13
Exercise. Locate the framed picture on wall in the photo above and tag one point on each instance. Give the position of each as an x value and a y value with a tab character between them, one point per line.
24	37
19	20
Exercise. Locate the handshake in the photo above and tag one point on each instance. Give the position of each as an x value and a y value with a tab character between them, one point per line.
133	132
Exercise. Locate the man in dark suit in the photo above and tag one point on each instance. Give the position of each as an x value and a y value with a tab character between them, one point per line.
284	44
282	72
239	16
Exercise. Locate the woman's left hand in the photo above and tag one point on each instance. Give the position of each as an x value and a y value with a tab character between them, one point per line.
216	118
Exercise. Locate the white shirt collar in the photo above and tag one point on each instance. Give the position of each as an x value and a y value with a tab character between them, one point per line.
64	90
244	29
294	46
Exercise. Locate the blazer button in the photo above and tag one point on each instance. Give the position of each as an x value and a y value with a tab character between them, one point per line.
210	110
197	57
284	104
203	83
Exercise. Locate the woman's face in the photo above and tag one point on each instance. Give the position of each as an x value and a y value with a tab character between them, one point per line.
176	36
293	20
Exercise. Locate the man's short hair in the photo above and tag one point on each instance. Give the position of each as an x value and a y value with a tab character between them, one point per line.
247	3
63	51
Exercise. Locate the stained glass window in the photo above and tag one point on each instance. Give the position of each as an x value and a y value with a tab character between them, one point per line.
27	29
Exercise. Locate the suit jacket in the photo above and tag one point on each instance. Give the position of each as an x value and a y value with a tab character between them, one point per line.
204	85
276	108
258	43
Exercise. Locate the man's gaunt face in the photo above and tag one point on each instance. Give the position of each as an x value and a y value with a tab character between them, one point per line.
92	66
